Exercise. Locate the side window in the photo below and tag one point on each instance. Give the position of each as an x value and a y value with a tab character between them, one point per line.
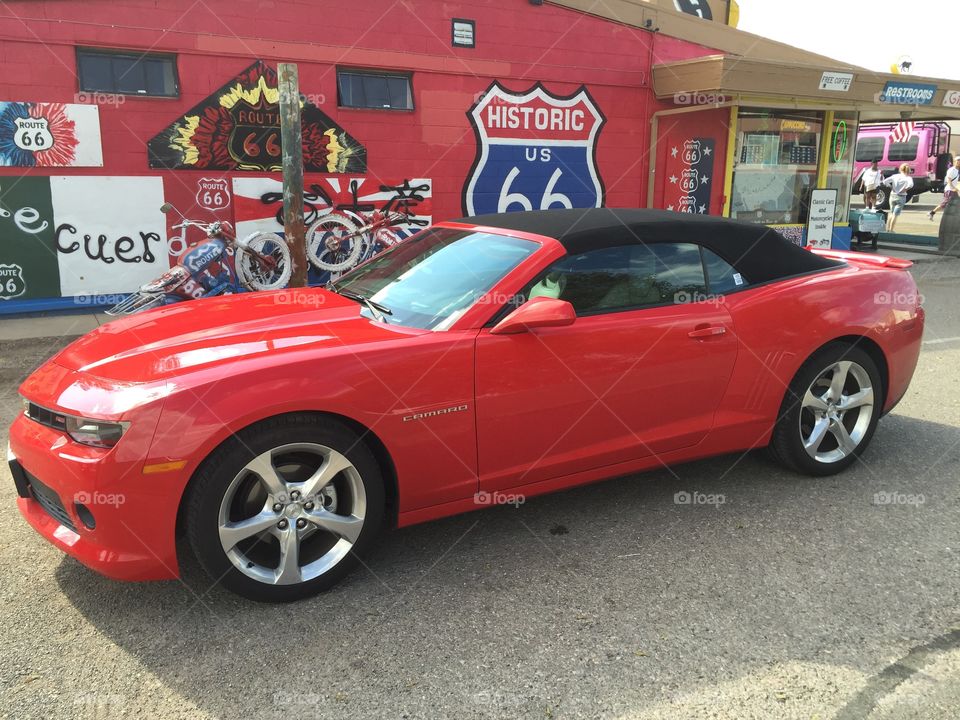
592	281
722	277
904	151
629	276
870	149
679	276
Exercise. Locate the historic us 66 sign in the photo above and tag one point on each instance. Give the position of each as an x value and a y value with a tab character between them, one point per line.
535	151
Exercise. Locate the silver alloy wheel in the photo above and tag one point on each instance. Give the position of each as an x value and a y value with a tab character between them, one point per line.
836	411
292	513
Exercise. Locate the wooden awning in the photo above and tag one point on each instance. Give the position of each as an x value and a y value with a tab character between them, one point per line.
766	83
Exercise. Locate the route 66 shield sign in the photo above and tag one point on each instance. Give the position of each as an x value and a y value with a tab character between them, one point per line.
535	151
12	283
213	193
32	133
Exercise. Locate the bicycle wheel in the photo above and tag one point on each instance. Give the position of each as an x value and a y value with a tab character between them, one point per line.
255	275
334	243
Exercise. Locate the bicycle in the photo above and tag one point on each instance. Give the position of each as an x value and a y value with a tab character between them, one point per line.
342	238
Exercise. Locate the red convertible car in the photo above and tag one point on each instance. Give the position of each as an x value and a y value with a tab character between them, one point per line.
481	359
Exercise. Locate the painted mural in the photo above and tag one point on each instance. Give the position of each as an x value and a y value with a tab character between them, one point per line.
689	174
66	236
348	219
49	135
535	151
238	128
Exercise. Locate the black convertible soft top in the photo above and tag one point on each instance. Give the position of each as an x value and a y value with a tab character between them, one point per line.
760	253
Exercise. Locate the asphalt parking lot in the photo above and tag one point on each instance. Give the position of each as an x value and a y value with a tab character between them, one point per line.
785	597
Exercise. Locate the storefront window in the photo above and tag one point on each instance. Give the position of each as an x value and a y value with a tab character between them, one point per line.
776	165
840	161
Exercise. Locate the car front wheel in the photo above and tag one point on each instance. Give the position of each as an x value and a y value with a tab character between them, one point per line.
282	510
830	411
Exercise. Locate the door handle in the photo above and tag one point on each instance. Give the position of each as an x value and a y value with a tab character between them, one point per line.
707	331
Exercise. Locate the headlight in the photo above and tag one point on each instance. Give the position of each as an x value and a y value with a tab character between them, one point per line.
98	433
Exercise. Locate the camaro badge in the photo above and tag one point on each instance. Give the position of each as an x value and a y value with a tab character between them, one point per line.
434	413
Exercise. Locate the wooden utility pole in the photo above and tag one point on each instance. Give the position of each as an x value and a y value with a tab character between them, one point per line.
291	142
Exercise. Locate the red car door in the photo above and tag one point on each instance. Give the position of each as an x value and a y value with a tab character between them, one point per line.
614	386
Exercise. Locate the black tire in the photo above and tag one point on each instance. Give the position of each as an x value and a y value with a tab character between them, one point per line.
224	468
787	441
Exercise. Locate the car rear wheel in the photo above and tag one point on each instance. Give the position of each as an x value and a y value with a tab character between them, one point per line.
830	411
282	510
883	199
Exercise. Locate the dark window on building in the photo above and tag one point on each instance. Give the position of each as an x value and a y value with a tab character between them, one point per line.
870	149
904	151
377	91
629	276
127	73
722	277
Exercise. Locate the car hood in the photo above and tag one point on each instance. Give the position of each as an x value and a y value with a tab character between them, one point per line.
184	337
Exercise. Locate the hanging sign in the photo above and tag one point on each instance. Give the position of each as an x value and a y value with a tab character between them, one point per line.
907	93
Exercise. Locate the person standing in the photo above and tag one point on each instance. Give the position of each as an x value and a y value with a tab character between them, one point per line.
871	177
951	186
900	184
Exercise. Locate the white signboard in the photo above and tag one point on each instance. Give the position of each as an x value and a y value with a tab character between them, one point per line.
111	236
951	99
836	81
823	208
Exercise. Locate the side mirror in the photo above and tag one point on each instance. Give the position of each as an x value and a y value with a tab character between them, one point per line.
536	313
165	208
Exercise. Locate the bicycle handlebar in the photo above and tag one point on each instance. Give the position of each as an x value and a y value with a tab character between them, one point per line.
223	229
192	223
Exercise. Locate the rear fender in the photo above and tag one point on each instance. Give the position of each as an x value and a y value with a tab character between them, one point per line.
879	304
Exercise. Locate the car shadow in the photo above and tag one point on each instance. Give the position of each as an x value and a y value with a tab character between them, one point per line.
602	599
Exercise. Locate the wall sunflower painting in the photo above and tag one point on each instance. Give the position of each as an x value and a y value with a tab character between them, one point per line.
238	128
49	135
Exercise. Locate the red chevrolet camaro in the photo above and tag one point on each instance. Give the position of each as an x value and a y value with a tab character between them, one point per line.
478	360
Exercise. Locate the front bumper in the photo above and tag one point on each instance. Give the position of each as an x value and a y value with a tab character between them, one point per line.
134	520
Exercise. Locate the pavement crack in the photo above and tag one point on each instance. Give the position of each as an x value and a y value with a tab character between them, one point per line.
893	675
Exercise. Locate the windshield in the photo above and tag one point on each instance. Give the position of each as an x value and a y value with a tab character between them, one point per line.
431	279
